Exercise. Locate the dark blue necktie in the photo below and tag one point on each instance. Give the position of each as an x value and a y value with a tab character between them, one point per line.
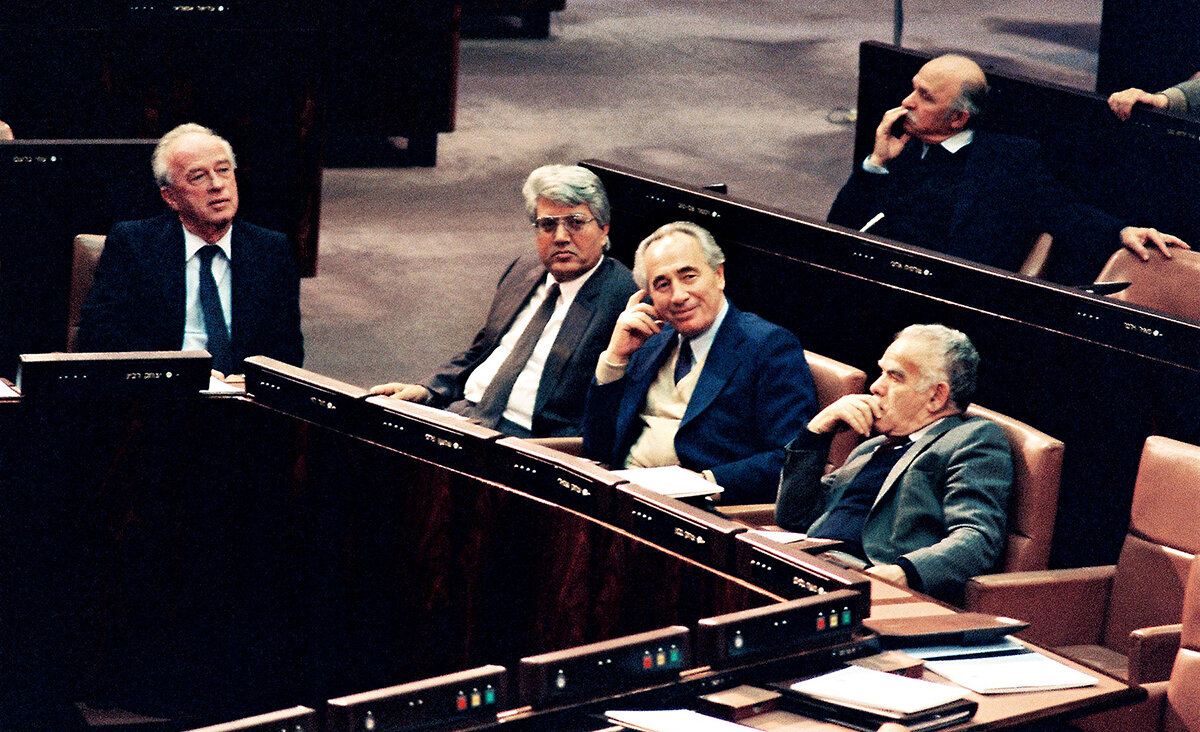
685	360
214	317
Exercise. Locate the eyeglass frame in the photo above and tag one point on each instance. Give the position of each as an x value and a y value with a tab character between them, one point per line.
573	222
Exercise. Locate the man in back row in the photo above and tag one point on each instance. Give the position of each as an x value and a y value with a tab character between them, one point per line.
688	379
925	503
941	183
194	279
527	371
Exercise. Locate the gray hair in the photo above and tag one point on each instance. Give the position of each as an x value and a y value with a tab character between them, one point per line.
973	95
158	161
567	185
708	247
959	361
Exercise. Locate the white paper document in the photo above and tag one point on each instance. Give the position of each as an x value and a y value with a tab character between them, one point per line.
672	720
872	690
670	480
1011	673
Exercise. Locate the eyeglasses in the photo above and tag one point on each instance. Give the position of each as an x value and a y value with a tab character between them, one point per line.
573	222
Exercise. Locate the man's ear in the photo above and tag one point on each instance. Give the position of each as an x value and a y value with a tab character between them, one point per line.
167	197
940	397
959	119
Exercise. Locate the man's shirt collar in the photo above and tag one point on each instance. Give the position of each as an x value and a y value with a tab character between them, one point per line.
193	243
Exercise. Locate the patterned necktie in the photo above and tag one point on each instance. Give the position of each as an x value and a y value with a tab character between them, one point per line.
685	361
214	317
495	397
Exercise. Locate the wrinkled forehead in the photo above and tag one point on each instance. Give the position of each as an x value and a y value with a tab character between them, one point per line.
674	252
913	357
196	150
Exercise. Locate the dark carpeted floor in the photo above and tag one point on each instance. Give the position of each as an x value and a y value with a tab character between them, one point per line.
753	93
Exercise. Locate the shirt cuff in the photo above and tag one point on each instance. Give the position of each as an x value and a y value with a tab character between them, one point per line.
870	167
607	371
1176	99
910	574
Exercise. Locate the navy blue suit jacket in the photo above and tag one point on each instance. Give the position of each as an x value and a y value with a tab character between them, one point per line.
754	395
1006	198
137	298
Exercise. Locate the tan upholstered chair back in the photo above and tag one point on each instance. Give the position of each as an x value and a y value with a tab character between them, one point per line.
1164	535
1183	690
1169	285
1037	469
833	380
88	248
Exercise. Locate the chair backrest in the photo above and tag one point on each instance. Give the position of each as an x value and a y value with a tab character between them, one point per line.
833	380
1037	469
1163	537
1168	285
1183	690
88	248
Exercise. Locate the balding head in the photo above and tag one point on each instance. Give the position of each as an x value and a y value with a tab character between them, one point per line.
949	94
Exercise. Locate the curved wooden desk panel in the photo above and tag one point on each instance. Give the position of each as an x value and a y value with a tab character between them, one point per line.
216	558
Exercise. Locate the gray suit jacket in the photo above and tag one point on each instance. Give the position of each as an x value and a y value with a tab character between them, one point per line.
943	507
558	411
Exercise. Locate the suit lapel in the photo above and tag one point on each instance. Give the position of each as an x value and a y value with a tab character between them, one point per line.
571	333
914	451
719	366
515	298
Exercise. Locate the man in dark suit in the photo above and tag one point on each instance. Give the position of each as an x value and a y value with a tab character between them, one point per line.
193	279
925	503
688	379
977	195
528	368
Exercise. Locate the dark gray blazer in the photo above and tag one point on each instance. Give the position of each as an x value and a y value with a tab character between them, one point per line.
558	410
944	506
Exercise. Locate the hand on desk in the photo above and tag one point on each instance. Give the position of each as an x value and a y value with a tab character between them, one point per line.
407	392
890	573
1121	103
232	379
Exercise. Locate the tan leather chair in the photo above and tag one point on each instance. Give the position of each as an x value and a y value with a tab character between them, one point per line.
1169	285
1107	617
1172	705
88	248
1037	471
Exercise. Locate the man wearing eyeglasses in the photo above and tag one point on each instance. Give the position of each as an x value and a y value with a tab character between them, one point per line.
194	278
527	372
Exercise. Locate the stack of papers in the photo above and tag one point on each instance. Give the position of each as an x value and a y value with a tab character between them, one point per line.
1013	672
671	480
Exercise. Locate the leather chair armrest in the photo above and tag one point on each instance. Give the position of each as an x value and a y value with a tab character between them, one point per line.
1152	652
569	445
754	514
1144	715
1063	606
